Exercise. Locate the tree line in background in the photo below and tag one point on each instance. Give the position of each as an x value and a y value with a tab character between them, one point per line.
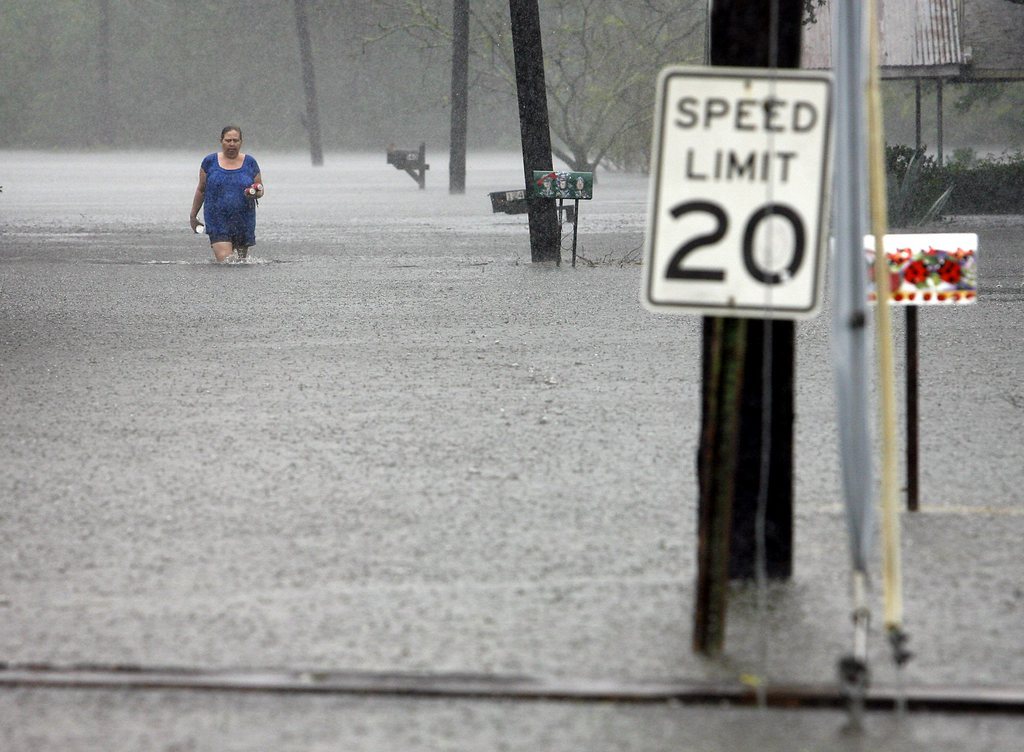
177	70
170	73
165	73
601	58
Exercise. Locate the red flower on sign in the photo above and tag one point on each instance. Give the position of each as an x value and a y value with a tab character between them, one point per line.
916	272
899	256
950	272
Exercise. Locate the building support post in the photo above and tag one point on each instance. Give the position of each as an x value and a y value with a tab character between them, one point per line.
917	114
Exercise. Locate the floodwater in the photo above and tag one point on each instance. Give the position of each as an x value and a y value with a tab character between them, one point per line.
388	442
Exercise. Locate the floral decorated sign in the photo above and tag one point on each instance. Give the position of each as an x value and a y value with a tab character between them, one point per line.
927	269
561	184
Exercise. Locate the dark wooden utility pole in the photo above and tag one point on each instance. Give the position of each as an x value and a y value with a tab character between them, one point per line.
724	346
533	125
460	96
747	383
309	82
741	36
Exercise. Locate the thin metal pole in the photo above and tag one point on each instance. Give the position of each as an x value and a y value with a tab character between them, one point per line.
938	117
913	487
575	229
560	213
913	449
850	312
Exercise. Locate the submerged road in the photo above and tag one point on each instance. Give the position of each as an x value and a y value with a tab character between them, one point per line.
390	444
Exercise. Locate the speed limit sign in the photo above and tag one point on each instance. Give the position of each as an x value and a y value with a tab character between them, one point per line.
739	182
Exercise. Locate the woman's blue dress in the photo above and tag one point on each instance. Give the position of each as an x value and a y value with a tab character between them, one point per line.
228	212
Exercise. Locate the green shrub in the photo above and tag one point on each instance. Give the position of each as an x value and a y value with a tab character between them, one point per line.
994	185
917	188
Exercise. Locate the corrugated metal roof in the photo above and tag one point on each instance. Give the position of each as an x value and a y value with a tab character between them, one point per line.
918	37
937	33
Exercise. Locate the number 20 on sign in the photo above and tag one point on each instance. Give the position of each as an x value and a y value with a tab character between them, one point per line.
738	197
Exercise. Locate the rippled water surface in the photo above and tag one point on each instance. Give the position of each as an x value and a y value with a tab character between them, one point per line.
389	442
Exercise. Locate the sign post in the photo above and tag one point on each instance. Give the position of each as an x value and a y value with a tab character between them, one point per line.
738	209
924	270
563	184
737	220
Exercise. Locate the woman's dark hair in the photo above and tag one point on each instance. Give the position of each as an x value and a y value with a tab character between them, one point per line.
226	128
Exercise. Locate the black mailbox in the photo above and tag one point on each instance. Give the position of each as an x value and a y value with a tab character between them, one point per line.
403	159
412	161
514	202
509	202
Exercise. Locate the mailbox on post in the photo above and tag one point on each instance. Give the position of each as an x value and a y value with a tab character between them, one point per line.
549	184
509	202
515	202
412	161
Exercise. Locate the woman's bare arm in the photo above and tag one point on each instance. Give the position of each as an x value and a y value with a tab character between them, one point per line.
197	200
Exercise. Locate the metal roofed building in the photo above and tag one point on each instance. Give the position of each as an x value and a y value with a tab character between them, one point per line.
954	40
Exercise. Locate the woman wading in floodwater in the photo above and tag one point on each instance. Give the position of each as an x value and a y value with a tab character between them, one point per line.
229	184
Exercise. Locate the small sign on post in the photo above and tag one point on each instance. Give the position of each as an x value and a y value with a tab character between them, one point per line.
564	184
927	269
740	178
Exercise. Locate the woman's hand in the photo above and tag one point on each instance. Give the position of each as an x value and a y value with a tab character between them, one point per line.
194	224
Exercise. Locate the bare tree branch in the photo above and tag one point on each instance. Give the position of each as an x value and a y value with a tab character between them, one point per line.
602	59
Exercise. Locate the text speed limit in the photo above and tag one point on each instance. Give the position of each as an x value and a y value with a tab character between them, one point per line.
738	181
